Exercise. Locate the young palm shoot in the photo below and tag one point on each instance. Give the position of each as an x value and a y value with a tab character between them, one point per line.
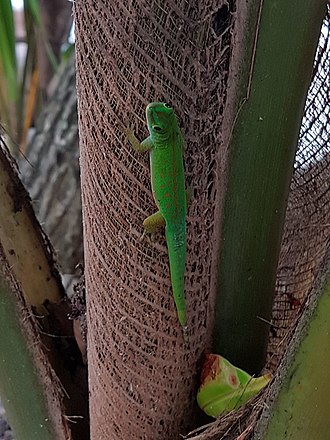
225	388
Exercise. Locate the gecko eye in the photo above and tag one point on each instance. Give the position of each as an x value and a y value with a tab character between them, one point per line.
167	105
157	128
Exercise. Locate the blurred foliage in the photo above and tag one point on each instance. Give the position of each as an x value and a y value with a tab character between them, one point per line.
20	97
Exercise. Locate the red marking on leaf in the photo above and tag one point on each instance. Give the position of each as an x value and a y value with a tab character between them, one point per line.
211	368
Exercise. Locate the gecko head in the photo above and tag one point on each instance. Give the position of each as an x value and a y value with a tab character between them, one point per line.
160	118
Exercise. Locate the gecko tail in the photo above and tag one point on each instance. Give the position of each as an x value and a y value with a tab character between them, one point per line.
176	244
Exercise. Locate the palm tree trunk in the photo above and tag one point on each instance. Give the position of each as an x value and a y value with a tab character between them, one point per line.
142	377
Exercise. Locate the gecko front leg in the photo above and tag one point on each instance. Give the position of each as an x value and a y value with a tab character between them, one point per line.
138	146
156	220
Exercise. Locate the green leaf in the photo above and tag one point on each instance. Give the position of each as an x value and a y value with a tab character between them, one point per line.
275	76
34	7
224	387
7	49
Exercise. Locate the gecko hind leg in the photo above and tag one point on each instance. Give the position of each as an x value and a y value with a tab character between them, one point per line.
152	223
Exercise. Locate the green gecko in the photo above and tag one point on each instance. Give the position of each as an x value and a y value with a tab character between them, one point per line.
165	144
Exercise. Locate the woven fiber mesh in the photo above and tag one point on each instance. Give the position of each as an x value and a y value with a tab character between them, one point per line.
307	227
128	54
305	243
141	376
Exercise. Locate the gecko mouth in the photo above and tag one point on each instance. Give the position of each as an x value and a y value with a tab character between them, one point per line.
154	118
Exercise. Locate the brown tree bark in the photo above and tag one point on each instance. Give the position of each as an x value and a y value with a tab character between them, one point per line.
28	254
142	378
50	172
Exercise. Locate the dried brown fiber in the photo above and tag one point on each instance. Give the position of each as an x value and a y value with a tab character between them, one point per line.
139	369
141	377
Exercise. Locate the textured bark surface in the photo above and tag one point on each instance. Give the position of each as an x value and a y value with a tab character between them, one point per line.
30	260
142	380
304	249
29	280
50	172
297	404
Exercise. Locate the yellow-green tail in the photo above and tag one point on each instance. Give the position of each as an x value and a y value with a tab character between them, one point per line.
176	245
